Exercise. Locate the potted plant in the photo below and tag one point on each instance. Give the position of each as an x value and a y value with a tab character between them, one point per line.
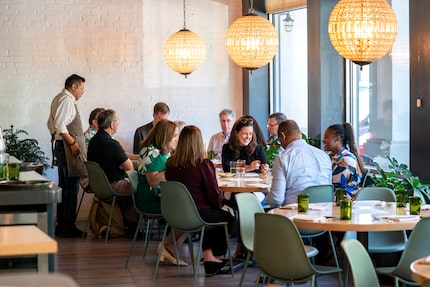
27	150
399	177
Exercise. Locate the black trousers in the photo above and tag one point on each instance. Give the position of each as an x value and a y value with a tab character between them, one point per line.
214	238
66	210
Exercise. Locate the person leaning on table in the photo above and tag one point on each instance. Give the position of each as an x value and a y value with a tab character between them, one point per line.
300	165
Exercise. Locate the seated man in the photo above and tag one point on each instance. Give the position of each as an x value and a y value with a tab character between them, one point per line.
161	112
273	124
300	165
226	120
111	157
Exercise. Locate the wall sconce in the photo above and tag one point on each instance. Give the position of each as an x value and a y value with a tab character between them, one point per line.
288	22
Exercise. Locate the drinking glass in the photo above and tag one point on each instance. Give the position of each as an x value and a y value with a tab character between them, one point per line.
4	168
400	197
240	168
415	205
14	170
340	195
345	209
233	167
303	202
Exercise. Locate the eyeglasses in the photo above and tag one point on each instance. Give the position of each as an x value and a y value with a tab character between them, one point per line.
272	125
246	121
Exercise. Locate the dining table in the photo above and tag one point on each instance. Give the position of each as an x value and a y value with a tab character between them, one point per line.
249	182
420	269
30	200
367	216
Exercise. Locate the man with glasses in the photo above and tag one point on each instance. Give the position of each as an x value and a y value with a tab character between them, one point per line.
273	124
109	154
161	112
226	120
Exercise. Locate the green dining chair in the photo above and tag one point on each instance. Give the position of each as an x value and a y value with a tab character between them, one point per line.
150	217
248	205
320	193
280	253
363	272
102	189
181	214
416	247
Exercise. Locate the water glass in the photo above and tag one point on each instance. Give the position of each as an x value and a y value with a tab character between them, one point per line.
340	195
240	168
345	209
303	202
400	197
233	167
415	205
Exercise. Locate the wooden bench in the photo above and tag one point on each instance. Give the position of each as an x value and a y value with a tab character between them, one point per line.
19	240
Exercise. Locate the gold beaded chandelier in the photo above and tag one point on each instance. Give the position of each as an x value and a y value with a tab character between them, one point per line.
251	41
184	51
362	30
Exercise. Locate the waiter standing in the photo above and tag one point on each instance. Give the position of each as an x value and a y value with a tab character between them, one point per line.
65	126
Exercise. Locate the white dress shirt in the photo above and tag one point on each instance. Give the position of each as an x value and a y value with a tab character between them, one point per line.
300	165
63	112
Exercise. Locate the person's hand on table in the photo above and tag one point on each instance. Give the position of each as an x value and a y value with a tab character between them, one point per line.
264	168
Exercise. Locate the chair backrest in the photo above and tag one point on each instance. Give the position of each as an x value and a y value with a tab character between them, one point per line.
320	193
248	205
416	247
278	248
376	193
178	207
363	271
98	181
134	179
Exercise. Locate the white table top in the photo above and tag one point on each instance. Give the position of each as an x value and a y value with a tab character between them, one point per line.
251	182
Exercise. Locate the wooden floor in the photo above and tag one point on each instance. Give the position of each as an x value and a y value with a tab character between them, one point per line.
91	262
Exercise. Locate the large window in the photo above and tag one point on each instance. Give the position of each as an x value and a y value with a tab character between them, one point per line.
290	69
380	91
373	95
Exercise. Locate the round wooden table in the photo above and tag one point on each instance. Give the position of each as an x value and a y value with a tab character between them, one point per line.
420	270
364	219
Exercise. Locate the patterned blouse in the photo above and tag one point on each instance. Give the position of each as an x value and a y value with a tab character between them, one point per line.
346	171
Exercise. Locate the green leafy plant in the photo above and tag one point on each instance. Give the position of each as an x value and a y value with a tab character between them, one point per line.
26	150
399	177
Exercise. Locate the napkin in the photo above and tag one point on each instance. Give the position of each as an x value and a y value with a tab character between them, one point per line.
308	217
260	185
318	206
399	218
425	207
289	206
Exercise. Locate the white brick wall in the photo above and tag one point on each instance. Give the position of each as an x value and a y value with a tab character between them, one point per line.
117	46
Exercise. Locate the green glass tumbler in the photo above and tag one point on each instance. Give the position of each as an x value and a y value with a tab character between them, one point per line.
303	202
340	195
415	205
400	197
345	209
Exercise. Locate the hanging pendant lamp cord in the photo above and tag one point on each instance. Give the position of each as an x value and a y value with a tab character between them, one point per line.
251	6
184	16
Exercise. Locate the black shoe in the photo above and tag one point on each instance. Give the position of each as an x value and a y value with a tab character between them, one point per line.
71	233
213	268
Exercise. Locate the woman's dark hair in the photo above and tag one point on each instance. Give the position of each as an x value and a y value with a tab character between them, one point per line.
233	141
346	134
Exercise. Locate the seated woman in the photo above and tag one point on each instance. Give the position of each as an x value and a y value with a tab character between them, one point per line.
347	164
190	166
157	147
243	145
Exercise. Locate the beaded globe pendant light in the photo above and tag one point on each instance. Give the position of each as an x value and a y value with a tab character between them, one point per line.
251	41
184	51
362	30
